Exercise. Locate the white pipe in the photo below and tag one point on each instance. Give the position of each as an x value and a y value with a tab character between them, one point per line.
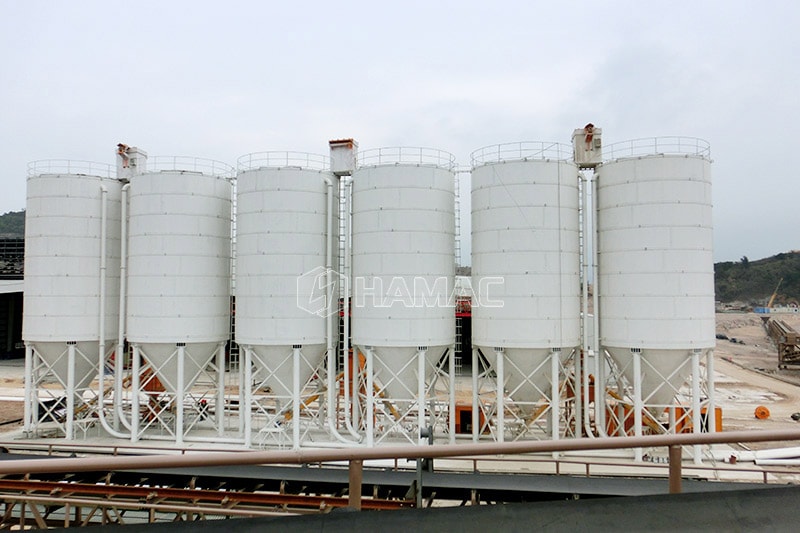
119	354
599	381
638	404
758	455
583	366
778	462
329	323
350	409
195	438
101	307
101	350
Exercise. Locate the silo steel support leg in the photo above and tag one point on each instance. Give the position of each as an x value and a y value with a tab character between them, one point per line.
296	397
451	370
219	411
637	402
420	393
577	387
476	429
555	410
697	420
501	408
70	419
135	387
712	402
600	392
370	398
30	404
180	387
245	402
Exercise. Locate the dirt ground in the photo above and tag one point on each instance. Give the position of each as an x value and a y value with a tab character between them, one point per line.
747	375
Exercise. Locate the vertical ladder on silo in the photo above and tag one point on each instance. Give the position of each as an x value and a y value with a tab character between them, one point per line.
457	347
233	355
342	359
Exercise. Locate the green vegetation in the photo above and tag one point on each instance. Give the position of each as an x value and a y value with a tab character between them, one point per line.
12	224
753	282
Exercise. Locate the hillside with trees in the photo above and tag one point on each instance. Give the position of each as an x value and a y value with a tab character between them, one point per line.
753	282
12	224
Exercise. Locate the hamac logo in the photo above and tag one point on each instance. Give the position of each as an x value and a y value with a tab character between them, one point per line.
318	291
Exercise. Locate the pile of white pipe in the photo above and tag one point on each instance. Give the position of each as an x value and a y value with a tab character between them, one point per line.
771	457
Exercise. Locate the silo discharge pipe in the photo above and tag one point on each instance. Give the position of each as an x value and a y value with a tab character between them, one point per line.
123	295
349	408
101	350
329	323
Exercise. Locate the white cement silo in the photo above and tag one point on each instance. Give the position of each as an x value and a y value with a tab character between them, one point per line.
72	247
281	256
525	263
656	270
403	262
179	254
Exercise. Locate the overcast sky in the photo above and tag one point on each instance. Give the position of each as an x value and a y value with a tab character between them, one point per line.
222	79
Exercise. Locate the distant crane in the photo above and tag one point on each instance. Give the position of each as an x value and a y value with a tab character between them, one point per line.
774	294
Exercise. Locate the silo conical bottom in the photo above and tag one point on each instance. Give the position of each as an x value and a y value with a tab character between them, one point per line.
277	365
55	354
164	360
396	369
663	373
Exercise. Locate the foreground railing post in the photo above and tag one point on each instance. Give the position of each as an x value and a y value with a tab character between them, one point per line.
356	477
675	458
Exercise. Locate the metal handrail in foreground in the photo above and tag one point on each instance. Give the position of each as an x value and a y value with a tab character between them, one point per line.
356	456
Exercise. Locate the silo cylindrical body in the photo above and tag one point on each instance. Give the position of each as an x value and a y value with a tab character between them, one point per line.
179	260
403	259
64	246
281	259
656	268
525	263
